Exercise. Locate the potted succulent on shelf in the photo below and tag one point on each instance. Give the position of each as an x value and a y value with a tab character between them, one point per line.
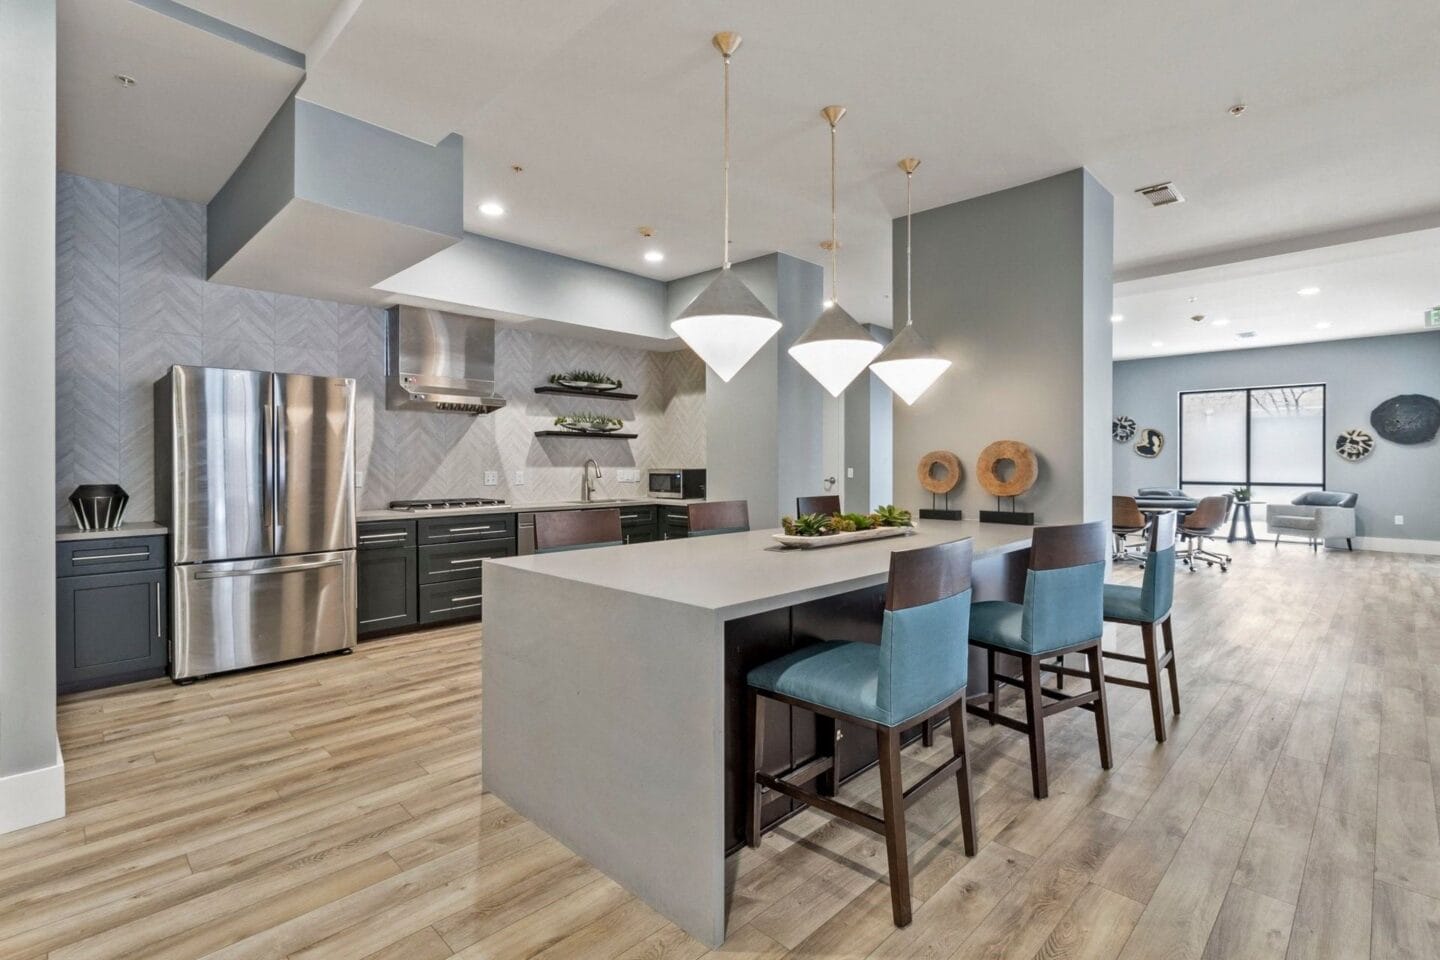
589	423
1241	494
588	380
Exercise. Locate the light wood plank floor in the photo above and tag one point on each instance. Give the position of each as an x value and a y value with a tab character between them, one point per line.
335	809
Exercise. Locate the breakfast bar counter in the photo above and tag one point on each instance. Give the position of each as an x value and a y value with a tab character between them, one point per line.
614	679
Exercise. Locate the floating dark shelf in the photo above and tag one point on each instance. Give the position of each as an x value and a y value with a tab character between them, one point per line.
586	436
594	394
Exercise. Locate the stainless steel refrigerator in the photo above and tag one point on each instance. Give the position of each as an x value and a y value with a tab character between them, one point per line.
255	473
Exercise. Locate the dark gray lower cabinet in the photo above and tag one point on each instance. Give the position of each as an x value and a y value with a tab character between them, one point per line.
386	590
637	524
451	600
111	627
674	523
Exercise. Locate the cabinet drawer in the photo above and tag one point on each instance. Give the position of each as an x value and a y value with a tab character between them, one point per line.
84	557
450	601
456	529
637	516
676	515
385	534
459	561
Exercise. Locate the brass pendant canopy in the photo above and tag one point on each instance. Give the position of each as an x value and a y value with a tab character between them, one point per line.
836	348
726	325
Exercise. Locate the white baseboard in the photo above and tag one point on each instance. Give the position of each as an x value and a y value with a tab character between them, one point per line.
1429	548
34	796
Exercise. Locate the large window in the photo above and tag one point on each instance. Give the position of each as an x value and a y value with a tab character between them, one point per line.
1269	438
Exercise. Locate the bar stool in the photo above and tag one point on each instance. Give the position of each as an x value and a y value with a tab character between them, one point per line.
825	505
918	670
1148	606
719	516
577	529
1062	613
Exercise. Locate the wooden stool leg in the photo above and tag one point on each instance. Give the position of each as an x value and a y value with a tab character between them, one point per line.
893	803
927	733
962	776
825	740
1102	712
994	684
1152	679
756	710
1170	667
1060	677
1035	720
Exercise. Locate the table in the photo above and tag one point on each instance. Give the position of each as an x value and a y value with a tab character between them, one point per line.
1243	507
614	688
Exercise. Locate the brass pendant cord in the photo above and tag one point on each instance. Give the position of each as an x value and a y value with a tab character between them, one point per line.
834	237
909	316
726	112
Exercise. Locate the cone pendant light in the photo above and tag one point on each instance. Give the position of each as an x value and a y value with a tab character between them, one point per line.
836	348
909	365
726	324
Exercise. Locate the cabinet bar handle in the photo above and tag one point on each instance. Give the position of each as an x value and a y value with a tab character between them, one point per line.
473	596
384	536
466	560
159	614
110	556
474	529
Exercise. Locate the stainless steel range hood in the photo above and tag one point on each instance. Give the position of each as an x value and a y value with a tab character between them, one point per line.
440	362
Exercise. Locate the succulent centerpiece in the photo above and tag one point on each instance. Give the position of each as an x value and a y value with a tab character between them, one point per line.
816	529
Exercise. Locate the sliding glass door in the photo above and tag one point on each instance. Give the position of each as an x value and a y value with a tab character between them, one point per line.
1271	439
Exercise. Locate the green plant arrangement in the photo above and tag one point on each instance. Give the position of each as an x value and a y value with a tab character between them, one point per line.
589	423
1241	494
890	515
819	525
586	379
807	525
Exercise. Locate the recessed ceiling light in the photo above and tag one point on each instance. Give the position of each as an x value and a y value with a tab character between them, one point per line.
1157	343
492	209
1117	318
653	256
1219	322
124	79
1323	325
1308	291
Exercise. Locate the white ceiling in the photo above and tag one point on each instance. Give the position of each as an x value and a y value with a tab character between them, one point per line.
198	104
292	23
612	108
1365	289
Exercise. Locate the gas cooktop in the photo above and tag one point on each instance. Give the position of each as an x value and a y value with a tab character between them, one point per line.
450	503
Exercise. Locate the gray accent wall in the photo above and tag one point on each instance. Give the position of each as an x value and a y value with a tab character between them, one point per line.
763	428
1358	375
27	414
134	300
1014	287
869	439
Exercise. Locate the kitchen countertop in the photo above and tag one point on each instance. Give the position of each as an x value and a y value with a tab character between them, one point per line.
540	507
125	530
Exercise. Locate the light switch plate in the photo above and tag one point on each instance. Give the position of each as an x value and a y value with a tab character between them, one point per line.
1399	520
519	480
628	475
491	478
849	473
359	478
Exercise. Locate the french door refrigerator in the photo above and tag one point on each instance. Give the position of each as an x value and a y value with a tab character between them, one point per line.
255	472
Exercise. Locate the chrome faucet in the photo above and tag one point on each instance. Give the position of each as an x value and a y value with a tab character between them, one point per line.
587	486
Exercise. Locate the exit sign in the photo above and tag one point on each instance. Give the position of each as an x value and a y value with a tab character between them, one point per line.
1432	317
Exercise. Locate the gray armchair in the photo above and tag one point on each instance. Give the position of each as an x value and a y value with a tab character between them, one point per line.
1318	515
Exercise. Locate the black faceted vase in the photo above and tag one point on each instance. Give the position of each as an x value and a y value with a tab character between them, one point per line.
99	506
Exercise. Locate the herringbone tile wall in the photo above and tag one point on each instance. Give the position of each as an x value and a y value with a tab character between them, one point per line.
132	300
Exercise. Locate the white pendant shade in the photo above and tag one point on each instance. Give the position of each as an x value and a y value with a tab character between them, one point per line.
909	365
835	349
726	325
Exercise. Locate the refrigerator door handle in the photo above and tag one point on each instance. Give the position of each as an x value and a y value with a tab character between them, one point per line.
271	512
290	568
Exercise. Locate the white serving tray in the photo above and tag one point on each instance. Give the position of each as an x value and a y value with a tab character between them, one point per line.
836	539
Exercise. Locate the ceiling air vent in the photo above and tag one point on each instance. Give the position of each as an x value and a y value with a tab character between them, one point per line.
1246	335
1161	194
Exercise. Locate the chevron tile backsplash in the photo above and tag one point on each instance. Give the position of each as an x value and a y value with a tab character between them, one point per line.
132	300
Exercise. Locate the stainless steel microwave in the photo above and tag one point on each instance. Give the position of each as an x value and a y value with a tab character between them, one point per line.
677	484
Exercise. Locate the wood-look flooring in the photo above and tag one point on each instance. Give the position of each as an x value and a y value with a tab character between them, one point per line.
334	808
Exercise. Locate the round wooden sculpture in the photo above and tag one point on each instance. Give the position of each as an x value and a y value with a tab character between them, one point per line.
945	478
1027	468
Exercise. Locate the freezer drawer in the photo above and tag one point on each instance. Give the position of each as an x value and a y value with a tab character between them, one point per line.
243	613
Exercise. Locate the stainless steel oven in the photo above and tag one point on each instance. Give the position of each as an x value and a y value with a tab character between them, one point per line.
677	484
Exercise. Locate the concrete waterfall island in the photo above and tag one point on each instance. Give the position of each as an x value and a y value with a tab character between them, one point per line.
613	690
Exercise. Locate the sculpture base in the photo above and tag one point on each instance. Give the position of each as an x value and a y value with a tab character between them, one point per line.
940	515
1007	516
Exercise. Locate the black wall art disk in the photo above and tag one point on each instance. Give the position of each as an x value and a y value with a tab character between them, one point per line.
1150	444
1122	429
1408	418
1354	445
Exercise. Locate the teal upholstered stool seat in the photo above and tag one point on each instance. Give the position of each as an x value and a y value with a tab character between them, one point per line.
841	676
1123	602
916	672
997	622
1147	607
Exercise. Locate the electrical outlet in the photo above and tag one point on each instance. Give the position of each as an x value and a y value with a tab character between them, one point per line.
359	478
1399	520
849	473
491	478
627	475
519	480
